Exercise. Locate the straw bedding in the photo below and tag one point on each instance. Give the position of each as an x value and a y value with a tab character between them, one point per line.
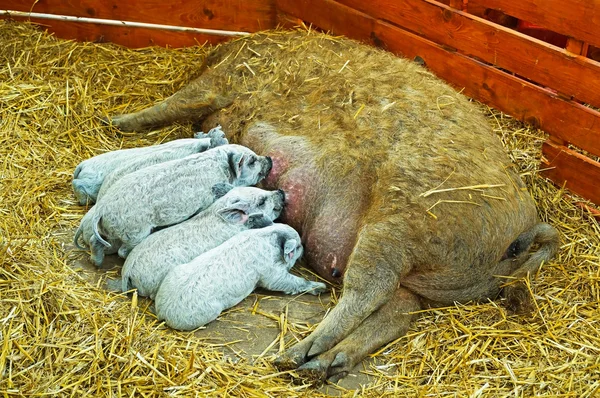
62	334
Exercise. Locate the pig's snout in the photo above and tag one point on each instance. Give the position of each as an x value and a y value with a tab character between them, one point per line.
267	166
279	201
281	194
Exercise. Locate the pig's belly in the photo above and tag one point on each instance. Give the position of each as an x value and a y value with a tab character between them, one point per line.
314	208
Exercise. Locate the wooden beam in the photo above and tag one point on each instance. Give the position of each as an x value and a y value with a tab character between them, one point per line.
505	48
577	172
574	18
129	37
237	15
525	101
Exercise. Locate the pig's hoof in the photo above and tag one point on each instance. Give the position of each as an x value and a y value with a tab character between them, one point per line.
105	120
321	368
314	371
317	288
123	252
518	299
289	360
122	122
320	345
340	367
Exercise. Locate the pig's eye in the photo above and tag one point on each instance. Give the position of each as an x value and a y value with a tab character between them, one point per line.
251	161
262	201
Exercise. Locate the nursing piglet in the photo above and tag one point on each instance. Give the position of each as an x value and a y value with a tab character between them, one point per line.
169	193
92	174
194	294
236	210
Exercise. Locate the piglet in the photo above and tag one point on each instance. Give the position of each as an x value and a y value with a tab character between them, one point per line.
91	175
194	294
212	139
235	210
168	193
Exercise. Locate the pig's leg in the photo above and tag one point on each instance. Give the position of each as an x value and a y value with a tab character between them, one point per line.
283	281
97	251
193	102
370	281
124	251
132	238
388	323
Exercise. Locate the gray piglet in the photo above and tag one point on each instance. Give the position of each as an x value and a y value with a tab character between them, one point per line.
168	193
194	294
212	139
236	210
90	175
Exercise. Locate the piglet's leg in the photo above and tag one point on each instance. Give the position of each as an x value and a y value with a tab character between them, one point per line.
370	281
283	281
97	251
388	323
195	101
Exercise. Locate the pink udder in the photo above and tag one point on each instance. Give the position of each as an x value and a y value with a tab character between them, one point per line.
280	166
327	237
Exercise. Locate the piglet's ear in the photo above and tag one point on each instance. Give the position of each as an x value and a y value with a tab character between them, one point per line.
289	249
258	220
233	216
236	160
220	189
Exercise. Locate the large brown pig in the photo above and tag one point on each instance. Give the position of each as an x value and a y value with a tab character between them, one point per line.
395	181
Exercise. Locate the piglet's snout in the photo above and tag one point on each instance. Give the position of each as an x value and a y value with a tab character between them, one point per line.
281	195
279	201
267	165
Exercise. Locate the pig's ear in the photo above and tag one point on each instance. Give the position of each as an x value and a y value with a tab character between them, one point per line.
232	215
220	189
236	211
258	220
289	249
236	159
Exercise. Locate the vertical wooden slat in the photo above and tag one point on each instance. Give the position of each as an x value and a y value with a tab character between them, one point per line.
577	46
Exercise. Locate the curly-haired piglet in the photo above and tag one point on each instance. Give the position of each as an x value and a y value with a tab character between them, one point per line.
212	139
168	193
93	174
236	209
195	293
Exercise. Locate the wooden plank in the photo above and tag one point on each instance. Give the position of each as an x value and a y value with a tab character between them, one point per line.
237	15
129	37
577	47
497	45
575	18
525	101
577	172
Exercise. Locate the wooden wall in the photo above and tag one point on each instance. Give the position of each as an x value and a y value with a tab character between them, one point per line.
484	47
228	15
556	89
